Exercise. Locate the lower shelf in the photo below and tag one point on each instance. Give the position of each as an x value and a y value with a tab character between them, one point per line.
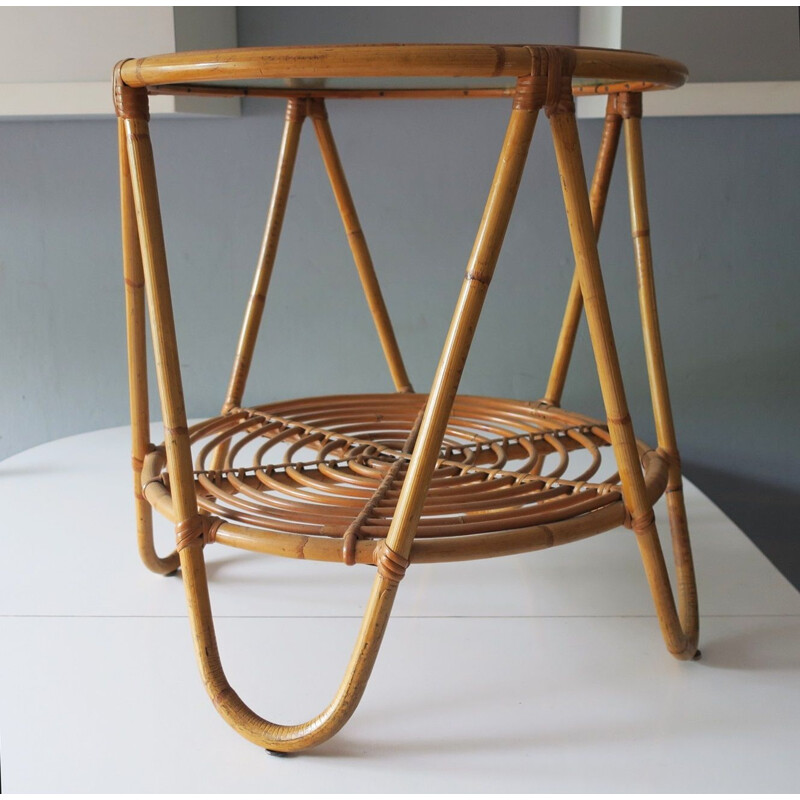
319	478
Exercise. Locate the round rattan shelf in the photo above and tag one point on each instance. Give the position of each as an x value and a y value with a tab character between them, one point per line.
319	477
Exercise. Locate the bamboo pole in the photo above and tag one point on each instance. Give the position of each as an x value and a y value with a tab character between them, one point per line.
611	70
480	269
656	370
358	245
597	201
584	243
287	156
419	93
295	115
151	237
272	736
137	366
190	526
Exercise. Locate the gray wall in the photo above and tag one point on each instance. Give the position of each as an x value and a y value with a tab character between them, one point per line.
722	43
724	206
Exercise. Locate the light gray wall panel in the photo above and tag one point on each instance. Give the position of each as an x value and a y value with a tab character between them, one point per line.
721	43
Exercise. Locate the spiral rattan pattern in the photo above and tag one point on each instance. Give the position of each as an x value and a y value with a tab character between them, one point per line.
333	467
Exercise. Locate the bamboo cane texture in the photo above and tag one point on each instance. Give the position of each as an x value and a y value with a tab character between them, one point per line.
301	476
390	479
295	114
358	246
568	154
659	389
597	202
602	70
137	366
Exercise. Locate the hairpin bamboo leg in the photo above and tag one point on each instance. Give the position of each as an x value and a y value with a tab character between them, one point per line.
190	525
480	269
132	108
137	367
358	245
631	105
584	243
597	201
391	564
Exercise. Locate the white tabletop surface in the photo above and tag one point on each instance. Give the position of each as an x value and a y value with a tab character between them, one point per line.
532	673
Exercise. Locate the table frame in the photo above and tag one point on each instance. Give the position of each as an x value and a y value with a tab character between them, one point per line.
548	87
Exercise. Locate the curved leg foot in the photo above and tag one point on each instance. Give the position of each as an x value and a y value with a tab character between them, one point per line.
275	738
166	565
679	626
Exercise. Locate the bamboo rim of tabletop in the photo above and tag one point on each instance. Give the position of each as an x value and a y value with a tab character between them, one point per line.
606	71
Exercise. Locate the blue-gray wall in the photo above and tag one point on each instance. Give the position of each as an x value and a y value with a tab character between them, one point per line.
724	207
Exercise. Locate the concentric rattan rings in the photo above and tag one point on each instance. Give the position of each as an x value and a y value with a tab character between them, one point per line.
509	472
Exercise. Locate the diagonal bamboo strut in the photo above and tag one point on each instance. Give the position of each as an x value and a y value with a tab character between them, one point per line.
597	201
681	643
391	564
358	244
462	327
137	366
659	391
295	114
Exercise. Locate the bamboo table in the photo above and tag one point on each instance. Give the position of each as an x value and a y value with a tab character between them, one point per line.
390	479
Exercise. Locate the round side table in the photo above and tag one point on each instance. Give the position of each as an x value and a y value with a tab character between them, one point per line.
391	479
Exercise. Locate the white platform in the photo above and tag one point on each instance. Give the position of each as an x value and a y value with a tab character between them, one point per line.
541	672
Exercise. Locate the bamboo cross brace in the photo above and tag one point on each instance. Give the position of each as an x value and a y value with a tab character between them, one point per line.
597	201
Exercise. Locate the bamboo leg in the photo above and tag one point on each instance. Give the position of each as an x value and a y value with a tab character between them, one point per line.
597	201
284	738
137	367
392	557
190	526
465	318
584	242
358	245
659	390
176	435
